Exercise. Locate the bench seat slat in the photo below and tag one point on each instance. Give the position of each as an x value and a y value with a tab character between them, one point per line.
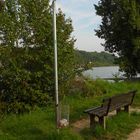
99	112
91	109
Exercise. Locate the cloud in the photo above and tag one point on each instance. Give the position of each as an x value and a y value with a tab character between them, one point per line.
77	9
85	20
88	42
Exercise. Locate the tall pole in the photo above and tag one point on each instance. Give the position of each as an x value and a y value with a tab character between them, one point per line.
56	65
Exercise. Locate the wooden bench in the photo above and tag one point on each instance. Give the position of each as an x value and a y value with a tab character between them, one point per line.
116	102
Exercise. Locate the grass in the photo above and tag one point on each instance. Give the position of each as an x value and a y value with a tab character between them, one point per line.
118	128
40	124
29	125
78	103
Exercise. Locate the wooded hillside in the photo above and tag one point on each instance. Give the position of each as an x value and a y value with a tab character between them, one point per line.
94	58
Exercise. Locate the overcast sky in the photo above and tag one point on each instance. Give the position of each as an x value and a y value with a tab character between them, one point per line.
85	20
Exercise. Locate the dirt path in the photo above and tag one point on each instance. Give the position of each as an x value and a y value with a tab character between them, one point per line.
81	124
135	135
84	123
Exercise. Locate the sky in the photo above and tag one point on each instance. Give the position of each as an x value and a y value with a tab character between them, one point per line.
85	20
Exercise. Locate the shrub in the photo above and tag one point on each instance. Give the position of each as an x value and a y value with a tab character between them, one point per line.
87	87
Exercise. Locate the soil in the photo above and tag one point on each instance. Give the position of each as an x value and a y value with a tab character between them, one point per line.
81	124
135	135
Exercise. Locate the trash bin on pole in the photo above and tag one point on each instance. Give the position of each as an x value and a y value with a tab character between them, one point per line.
64	111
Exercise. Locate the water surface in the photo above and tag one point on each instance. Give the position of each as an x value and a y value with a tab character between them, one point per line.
103	72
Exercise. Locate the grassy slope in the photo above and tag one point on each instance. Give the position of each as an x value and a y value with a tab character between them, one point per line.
40	124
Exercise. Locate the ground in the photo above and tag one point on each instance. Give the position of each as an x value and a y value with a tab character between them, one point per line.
135	135
84	123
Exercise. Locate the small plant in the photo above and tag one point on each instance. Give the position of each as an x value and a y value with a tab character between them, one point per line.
116	76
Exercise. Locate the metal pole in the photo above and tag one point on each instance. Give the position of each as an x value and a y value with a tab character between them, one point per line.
56	65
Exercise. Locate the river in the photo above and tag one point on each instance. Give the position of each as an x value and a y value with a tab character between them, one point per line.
103	72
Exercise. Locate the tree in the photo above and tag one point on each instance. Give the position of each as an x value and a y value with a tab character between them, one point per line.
1	5
120	28
27	58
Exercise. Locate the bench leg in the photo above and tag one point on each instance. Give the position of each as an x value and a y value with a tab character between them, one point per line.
102	121
118	110
92	120
126	108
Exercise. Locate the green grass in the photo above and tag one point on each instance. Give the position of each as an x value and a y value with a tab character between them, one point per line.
78	103
29	125
40	124
118	128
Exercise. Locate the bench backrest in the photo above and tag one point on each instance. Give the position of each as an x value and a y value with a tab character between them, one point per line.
105	105
118	101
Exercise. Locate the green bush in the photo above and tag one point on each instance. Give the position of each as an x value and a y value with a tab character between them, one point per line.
87	87
27	55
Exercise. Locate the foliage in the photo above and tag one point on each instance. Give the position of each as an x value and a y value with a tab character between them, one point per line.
120	28
87	87
27	54
94	88
40	124
91	59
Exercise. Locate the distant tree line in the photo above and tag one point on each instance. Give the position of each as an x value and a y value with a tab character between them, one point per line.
91	59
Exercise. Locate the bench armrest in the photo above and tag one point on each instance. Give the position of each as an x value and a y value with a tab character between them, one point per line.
92	109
